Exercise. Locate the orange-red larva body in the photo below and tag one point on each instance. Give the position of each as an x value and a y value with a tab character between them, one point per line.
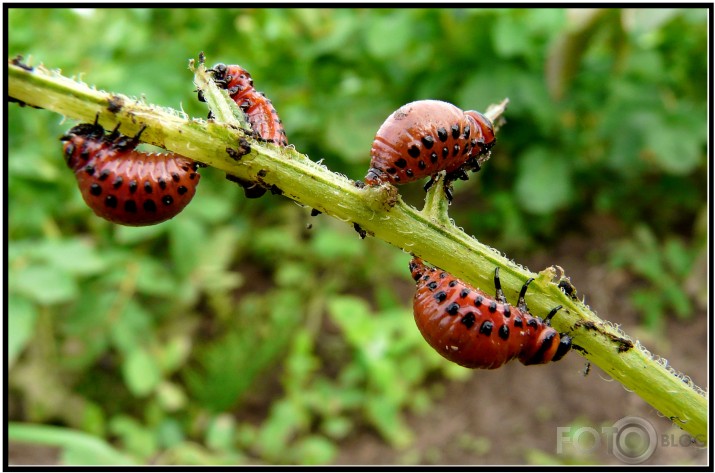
475	330
259	110
126	186
422	138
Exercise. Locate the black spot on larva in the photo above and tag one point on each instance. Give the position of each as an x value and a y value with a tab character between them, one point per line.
433	157
486	327
117	182
442	134
432	285
192	176
422	164
162	183
95	189
455	131
445	152
492	306
453	308
167	200
428	141
453	283
518	322
468	320
414	151
440	296
133	186
409	173
401	163
182	190
391	170
467	130
504	332
465	292
89	169
425	277
474	142
130	206
507	311
442	275
149	205
147	187
111	201
104	174
175	176
532	323
478	301
455	150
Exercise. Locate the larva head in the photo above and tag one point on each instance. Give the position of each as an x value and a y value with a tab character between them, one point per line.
417	268
375	177
487	130
231	76
123	185
81	142
548	346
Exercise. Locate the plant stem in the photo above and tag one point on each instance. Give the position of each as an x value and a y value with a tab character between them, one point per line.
382	213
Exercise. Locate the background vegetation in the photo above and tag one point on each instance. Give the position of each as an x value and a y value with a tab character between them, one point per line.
246	331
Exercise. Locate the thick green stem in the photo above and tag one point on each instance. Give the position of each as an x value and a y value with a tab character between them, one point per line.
382	213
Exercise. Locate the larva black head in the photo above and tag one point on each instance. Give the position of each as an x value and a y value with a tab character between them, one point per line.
219	72
374	177
84	130
564	347
417	268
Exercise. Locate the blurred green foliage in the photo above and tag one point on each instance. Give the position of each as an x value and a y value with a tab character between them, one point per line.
236	334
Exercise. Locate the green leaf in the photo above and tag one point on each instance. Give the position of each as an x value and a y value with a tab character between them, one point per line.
132	326
44	284
670	151
136	438
141	373
186	236
386	417
397	27
75	256
21	317
543	182
509	37
78	448
221	433
316	450
133	235
332	245
155	279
